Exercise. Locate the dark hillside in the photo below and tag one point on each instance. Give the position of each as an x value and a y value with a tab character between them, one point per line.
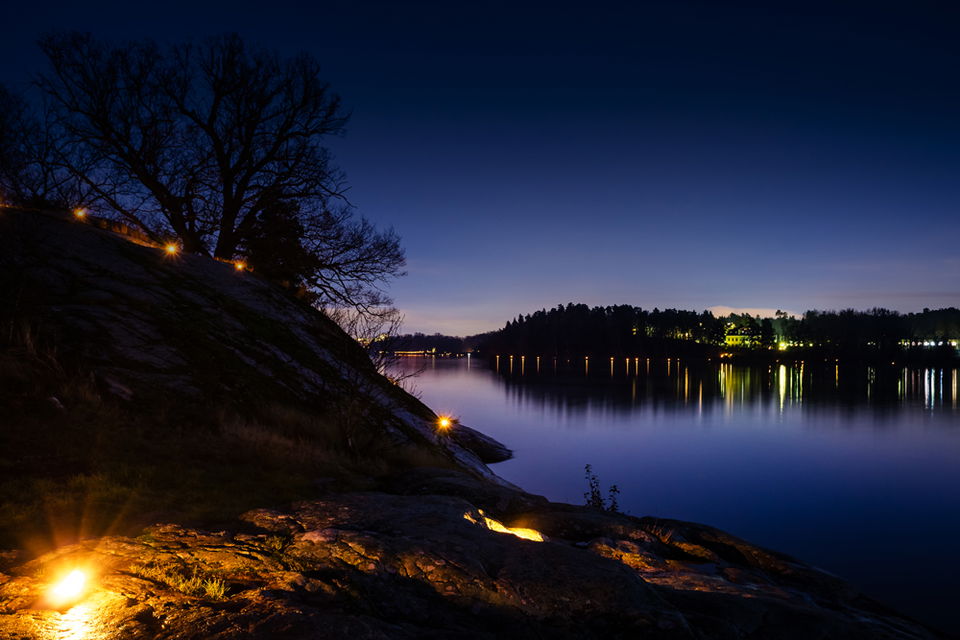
184	372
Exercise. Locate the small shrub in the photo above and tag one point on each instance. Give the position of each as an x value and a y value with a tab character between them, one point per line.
276	543
215	588
664	532
594	496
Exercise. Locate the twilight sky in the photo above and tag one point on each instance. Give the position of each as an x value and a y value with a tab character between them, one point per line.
671	154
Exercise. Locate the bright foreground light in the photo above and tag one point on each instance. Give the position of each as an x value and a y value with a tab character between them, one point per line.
69	589
171	249
80	213
444	423
499	527
240	266
520	532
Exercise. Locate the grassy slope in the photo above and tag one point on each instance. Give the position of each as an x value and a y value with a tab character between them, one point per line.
77	461
97	466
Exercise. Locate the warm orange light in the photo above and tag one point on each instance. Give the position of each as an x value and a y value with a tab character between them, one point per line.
69	589
80	213
240	266
499	527
171	249
444	423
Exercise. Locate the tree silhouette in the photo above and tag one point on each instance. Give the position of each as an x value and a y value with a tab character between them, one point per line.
29	174
220	144
576	330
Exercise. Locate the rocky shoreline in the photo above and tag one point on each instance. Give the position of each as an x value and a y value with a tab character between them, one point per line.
416	558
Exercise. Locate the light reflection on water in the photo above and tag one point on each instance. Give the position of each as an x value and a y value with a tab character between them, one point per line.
851	468
735	388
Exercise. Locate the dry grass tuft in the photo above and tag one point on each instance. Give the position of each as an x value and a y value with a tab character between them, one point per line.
195	582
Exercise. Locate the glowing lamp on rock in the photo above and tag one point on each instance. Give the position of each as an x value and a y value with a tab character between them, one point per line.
495	525
69	589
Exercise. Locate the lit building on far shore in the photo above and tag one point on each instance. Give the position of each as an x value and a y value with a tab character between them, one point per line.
740	337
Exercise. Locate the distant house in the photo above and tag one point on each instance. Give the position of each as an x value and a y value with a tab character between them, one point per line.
740	337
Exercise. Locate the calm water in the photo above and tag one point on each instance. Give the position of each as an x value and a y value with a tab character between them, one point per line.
852	469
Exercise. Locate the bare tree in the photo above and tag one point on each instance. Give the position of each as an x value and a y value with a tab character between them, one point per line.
29	173
378	330
352	258
219	143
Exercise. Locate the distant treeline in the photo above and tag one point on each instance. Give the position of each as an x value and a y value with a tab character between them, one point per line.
576	330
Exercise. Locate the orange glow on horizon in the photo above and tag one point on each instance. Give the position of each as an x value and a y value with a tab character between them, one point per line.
80	213
171	249
444	423
240	265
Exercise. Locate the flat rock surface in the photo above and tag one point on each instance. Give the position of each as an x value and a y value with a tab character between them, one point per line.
418	560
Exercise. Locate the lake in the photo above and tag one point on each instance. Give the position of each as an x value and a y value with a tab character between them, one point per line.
854	469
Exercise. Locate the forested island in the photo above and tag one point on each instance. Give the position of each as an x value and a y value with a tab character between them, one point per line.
577	330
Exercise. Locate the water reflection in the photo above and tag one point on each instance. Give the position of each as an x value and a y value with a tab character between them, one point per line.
712	386
852	468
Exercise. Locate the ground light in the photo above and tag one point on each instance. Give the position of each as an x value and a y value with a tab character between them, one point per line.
171	249
495	525
69	589
240	265
444	423
80	213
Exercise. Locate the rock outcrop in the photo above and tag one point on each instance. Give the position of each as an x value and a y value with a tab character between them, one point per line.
429	563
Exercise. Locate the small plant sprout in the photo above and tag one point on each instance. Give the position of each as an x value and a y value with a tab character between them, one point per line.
594	497
215	588
614	505
69	589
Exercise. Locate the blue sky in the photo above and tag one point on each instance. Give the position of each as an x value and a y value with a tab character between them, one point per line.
669	154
